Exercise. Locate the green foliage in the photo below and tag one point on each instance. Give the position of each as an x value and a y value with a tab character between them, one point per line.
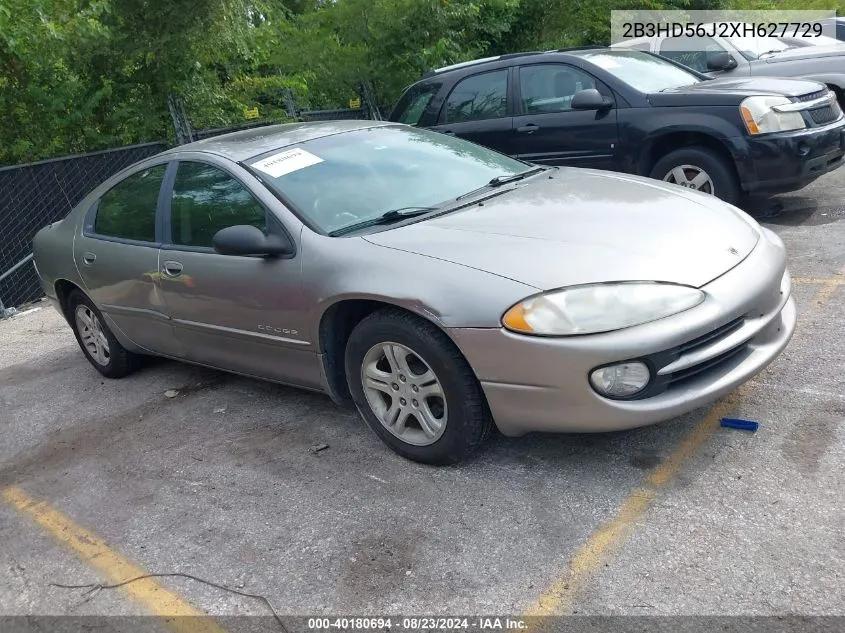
80	75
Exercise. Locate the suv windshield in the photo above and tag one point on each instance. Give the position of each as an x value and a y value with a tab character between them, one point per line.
345	179
753	47
642	71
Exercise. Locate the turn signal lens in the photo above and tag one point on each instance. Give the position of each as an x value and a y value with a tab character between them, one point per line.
749	120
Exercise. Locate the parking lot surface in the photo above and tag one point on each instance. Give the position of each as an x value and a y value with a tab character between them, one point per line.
103	478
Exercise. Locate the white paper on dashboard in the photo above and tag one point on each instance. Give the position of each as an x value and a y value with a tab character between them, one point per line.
286	162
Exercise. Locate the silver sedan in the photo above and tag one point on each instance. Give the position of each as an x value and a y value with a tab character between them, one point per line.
440	287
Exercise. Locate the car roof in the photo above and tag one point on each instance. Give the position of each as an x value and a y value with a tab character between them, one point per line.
631	41
244	144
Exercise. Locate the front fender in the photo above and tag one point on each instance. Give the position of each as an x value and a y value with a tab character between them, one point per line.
447	294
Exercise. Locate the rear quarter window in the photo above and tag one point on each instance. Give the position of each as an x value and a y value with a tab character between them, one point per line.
128	210
412	104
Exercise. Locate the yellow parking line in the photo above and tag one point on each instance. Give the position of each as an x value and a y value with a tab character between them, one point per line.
611	535
94	552
810	281
608	537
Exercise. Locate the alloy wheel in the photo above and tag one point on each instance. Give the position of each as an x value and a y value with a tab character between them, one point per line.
404	393
691	177
91	334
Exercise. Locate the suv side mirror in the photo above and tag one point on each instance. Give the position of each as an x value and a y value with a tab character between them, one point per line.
590	99
245	239
720	61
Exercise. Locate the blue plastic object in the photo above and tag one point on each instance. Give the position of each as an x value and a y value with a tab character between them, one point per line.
742	425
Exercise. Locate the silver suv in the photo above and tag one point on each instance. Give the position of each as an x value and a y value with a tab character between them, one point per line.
751	56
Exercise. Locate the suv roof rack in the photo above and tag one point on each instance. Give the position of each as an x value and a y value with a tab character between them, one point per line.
483	60
578	48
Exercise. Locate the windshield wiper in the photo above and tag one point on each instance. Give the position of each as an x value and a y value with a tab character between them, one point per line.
777	50
394	215
498	181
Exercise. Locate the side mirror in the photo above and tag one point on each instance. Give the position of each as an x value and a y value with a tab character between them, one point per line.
720	61
244	239
590	99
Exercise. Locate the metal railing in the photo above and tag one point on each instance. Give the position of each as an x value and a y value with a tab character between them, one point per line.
4	311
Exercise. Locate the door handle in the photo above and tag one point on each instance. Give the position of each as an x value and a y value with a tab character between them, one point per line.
172	269
88	258
449	132
528	128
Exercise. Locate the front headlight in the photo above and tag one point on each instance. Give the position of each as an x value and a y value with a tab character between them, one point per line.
761	117
594	308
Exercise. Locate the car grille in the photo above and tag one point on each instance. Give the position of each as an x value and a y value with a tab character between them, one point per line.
711	337
825	114
710	363
693	358
700	344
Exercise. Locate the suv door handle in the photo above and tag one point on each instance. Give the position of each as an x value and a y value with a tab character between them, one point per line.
88	258
449	132
528	128
172	269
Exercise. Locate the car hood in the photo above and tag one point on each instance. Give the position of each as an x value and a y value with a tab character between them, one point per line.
806	52
583	226
731	91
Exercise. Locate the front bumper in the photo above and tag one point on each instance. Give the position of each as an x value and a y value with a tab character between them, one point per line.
541	384
788	161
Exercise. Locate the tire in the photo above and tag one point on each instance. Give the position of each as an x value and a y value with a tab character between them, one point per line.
460	410
722	179
116	362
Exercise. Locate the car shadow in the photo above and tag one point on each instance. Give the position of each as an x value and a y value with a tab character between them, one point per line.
793	210
621	455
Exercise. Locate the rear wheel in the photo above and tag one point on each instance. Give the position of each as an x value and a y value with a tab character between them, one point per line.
98	343
414	388
699	168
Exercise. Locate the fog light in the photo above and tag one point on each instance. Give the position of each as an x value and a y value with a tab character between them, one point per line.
622	380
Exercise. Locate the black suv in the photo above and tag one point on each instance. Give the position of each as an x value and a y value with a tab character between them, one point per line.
636	112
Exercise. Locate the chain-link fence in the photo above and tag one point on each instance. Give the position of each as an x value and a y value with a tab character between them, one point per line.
32	196
333	115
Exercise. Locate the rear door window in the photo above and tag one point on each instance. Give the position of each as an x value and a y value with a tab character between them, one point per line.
128	210
479	97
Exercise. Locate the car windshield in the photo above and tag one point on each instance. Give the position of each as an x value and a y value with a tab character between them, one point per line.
642	71
345	179
753	47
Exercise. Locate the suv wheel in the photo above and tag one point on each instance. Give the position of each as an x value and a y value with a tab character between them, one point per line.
415	389
699	168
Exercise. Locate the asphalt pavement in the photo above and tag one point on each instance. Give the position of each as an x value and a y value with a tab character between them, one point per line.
104	478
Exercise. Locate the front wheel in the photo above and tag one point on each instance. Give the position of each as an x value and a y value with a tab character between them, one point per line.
701	169
415	389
